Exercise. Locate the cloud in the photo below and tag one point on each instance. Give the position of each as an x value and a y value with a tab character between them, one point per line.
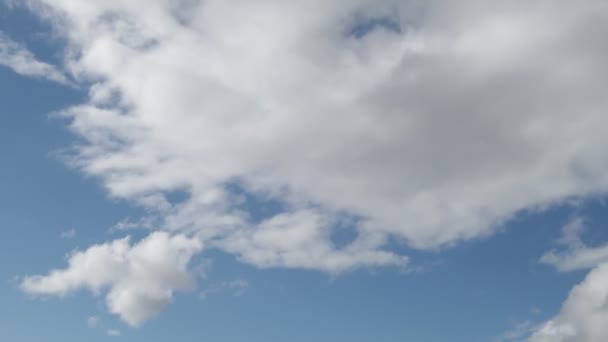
433	134
583	315
114	332
129	224
23	62
575	254
299	240
518	333
237	286
68	234
426	123
139	279
93	322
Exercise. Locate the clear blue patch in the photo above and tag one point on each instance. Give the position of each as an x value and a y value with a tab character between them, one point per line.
258	206
345	231
25	28
176	197
364	26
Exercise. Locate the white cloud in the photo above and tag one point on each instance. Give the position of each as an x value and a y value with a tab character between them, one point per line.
22	61
114	332
583	315
434	135
139	279
575	254
301	240
431	134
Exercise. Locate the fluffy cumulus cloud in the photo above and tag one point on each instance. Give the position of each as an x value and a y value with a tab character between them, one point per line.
139	279
423	122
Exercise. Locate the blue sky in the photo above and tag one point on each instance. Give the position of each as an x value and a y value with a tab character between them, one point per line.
301	186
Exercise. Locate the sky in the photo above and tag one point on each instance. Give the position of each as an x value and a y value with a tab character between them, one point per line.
353	170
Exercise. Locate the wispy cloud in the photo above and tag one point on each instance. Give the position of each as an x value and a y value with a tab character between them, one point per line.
68	234
93	322
114	332
236	288
574	254
22	61
518	333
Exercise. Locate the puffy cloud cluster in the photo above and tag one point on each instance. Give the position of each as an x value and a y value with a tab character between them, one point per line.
433	129
139	279
424	121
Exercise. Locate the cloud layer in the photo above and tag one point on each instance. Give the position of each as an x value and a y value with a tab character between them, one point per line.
417	121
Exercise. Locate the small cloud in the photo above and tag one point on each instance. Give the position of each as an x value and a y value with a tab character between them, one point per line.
203	268
571	232
114	332
204	294
144	223
421	268
68	234
93	322
573	253
237	286
22	61
138	279
517	333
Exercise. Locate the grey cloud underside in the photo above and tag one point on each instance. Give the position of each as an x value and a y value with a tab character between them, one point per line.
432	130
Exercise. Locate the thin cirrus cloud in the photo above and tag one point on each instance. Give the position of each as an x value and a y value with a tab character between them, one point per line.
432	130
